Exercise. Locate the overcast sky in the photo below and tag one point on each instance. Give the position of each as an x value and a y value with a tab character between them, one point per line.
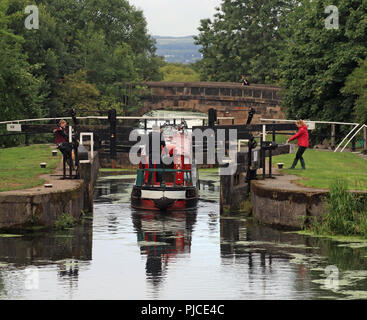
175	17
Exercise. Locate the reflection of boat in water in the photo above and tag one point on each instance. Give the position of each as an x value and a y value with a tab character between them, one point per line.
162	237
169	187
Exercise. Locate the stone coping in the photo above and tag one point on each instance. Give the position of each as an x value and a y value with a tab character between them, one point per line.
288	183
58	186
209	84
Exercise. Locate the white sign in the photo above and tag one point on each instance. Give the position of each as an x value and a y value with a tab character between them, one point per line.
310	125
13	127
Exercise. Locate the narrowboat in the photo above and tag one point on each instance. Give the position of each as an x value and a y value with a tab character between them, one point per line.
168	187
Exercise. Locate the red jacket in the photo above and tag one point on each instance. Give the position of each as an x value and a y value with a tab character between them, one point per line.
61	135
302	136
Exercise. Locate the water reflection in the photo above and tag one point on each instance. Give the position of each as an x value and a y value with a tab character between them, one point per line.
161	237
23	259
39	248
183	255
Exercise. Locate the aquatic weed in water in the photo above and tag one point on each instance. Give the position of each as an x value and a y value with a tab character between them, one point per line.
64	221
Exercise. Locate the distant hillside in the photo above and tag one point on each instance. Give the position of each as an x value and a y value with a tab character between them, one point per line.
178	49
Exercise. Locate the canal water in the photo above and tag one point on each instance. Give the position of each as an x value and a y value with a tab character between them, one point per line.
121	253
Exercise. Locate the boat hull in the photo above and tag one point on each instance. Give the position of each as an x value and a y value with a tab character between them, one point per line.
164	199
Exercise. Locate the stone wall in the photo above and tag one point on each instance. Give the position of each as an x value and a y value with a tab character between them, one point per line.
233	188
291	209
230	99
39	208
284	208
89	174
42	206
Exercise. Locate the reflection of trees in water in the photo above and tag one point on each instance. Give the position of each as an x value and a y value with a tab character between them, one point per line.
47	248
268	249
162	236
243	242
344	257
106	189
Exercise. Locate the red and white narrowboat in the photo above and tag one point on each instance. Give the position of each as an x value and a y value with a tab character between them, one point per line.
170	187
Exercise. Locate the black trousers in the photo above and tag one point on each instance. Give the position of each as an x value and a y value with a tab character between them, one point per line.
299	156
300	152
66	150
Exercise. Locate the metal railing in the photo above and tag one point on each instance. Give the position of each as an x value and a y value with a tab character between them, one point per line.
141	176
332	123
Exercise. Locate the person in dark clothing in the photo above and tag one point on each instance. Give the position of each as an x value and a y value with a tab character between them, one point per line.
62	143
303	143
244	81
156	145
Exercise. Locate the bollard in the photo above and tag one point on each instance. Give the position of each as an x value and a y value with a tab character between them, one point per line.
113	122
27	138
333	136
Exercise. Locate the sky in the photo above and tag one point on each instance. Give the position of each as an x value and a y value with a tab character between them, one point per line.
175	17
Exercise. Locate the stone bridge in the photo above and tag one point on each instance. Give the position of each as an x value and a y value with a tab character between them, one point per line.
230	99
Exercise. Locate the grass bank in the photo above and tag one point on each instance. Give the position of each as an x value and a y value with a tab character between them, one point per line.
20	166
322	168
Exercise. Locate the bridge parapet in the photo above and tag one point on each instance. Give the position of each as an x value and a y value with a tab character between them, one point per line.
230	99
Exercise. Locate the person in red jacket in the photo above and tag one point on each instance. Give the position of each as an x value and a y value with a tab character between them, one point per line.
303	143
62	143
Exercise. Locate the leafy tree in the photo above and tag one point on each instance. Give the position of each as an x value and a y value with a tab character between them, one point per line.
20	90
75	93
242	39
107	39
315	61
356	85
179	72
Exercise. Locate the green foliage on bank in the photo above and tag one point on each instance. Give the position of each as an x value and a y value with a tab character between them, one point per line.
20	166
322	167
346	213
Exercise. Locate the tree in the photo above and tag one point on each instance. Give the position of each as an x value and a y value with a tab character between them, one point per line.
314	61
20	90
356	85
107	39
179	72
75	93
242	39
